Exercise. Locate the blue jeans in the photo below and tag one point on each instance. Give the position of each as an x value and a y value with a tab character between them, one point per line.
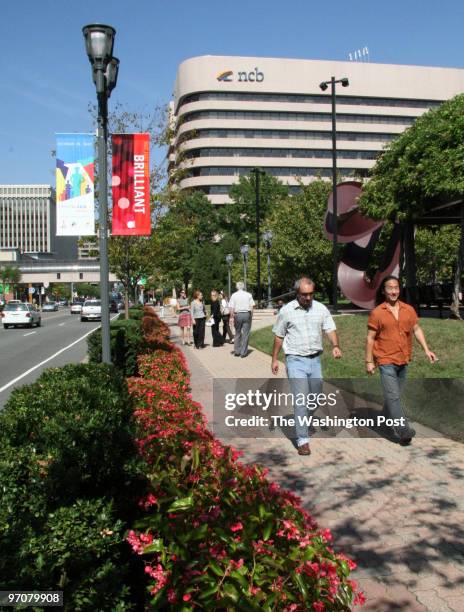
393	378
304	376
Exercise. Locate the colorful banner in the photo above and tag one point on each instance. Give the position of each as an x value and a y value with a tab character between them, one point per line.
131	185
75	210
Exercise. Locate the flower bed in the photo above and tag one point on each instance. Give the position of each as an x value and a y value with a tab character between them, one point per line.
216	533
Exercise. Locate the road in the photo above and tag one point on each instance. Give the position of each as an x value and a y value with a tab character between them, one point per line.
26	353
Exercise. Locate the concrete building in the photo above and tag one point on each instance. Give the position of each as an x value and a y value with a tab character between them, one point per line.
231	114
28	223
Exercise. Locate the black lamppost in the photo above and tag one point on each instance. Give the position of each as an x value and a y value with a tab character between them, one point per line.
258	173
267	237
244	251
324	86
99	40
229	260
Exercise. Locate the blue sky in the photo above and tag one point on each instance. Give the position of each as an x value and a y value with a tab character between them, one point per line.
46	78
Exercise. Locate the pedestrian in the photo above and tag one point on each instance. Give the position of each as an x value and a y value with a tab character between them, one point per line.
197	310
391	326
241	314
298	330
216	317
225	315
185	318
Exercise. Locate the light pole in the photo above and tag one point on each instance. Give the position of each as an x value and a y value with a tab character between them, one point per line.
229	260
333	81
244	251
267	237
258	173
99	40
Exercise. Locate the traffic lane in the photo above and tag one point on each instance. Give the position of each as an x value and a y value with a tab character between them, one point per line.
19	341
62	345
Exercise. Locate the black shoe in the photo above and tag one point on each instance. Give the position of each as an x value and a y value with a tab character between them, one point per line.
236	355
406	439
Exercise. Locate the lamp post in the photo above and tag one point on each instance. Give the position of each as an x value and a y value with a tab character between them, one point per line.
258	173
267	237
229	260
244	251
99	41
333	81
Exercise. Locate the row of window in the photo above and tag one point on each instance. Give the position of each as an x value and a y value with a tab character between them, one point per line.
224	189
257	152
286	135
275	171
308	98
15	190
288	116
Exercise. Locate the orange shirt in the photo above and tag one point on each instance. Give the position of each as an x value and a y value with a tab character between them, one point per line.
393	338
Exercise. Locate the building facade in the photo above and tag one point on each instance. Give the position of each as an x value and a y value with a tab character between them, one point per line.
28	222
232	114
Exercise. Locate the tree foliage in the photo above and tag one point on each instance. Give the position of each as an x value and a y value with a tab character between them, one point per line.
423	166
299	244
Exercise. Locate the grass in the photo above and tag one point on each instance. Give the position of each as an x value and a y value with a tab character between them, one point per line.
434	398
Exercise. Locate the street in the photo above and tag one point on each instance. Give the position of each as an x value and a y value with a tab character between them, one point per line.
26	353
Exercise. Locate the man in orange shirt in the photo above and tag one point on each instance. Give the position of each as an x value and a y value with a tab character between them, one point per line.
389	346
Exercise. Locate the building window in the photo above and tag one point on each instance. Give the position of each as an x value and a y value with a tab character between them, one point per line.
81	275
58	275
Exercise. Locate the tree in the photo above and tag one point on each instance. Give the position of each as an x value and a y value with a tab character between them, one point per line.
239	218
420	170
10	275
299	245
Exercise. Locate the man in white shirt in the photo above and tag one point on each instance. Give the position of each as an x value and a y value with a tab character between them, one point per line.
241	312
298	330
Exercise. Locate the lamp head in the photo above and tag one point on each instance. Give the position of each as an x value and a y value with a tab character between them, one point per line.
111	74
345	82
244	250
229	259
99	41
323	86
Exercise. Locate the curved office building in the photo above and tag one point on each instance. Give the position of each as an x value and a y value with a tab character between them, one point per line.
232	114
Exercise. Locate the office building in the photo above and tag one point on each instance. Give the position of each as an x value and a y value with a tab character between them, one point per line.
28	223
231	114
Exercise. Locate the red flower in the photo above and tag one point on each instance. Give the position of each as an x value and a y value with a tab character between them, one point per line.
237	527
186	597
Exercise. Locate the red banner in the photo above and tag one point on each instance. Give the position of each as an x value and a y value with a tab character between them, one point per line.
131	185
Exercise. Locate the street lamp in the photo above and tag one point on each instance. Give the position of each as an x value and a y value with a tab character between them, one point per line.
324	86
258	173
99	41
244	251
267	237
229	260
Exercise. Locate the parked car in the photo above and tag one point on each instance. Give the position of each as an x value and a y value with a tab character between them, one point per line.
50	307
76	307
63	302
91	310
20	314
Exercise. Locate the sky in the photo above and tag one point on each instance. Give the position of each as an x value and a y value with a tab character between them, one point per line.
45	75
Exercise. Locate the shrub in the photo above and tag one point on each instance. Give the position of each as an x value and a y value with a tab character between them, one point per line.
125	345
70	476
136	313
217	534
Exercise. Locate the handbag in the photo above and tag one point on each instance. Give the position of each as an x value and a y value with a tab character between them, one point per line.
210	322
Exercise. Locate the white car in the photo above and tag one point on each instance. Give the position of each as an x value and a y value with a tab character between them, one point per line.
91	310
76	308
20	314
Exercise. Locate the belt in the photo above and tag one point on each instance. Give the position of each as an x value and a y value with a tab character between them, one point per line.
243	311
311	356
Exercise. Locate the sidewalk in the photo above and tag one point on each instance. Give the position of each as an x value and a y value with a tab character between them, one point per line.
397	511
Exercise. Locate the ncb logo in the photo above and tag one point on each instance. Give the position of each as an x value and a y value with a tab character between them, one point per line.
254	76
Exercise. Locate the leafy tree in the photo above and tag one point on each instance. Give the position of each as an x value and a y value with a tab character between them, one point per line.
421	169
299	244
436	248
238	219
10	275
209	269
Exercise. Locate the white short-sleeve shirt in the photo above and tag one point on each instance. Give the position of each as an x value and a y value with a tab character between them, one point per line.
302	329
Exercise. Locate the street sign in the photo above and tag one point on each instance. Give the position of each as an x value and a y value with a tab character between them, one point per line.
31	290
46	285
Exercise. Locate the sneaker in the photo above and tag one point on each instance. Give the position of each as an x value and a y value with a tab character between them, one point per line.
304	449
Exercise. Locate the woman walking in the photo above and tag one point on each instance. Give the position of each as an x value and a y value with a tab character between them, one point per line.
216	316
197	310
225	315
185	318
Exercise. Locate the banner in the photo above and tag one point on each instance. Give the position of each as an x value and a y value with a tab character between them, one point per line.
131	185
75	211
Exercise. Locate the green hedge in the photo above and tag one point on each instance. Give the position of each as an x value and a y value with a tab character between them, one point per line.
70	475
125	345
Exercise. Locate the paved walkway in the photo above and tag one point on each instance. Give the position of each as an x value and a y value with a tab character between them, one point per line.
397	511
